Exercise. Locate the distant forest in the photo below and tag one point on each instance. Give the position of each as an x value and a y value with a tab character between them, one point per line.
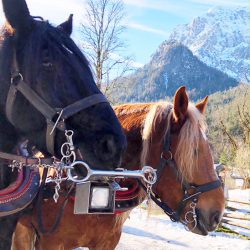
228	118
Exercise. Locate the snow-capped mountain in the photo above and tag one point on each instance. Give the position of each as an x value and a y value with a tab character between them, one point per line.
169	69
210	54
220	38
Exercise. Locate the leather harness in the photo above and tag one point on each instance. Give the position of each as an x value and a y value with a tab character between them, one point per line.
59	114
19	194
27	183
191	191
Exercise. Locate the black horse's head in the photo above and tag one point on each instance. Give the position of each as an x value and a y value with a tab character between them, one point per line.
56	70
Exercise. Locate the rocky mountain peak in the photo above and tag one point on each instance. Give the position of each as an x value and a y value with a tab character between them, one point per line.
220	38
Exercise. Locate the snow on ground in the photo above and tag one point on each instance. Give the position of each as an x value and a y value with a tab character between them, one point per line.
239	194
157	232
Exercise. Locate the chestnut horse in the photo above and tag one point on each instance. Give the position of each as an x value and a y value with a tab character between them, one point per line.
146	126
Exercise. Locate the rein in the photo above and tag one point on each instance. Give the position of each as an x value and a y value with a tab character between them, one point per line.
191	191
19	161
39	202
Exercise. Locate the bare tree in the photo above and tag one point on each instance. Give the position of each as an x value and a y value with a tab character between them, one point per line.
241	146
101	31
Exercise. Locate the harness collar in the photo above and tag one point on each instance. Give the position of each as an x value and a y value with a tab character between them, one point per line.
20	194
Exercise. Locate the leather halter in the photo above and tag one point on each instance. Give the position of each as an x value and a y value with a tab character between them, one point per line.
21	193
191	191
51	114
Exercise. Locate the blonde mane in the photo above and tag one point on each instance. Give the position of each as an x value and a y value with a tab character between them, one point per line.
186	154
189	136
158	109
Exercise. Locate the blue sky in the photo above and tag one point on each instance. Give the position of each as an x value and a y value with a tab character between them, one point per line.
148	21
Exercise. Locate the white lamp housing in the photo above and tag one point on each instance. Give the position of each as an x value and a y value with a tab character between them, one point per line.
94	197
100	197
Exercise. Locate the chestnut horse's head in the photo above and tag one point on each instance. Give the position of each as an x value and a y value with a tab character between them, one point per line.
175	142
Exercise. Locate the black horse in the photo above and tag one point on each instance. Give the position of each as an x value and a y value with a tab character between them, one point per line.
53	67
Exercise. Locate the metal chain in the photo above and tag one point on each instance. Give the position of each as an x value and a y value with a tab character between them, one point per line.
16	165
68	157
68	149
191	217
58	182
149	186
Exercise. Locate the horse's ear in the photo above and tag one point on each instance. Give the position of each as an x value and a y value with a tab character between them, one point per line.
180	104
67	26
17	15
201	106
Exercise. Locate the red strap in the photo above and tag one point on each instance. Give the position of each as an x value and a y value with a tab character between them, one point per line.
132	192
16	195
72	198
14	186
120	211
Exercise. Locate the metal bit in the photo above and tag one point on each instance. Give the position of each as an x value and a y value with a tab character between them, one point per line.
147	173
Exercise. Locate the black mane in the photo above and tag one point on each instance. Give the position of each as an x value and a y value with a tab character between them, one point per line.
56	42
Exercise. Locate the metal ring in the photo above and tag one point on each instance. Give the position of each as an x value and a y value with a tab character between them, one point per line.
187	223
75	178
64	146
13	78
188	220
170	158
152	171
69	132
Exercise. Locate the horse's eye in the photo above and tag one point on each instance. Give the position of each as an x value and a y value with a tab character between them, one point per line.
46	59
48	65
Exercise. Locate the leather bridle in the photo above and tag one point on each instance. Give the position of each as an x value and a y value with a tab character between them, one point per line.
191	191
55	117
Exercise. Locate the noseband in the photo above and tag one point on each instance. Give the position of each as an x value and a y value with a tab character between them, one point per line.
191	191
55	117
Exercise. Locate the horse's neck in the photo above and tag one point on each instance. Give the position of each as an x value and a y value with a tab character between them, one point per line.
6	51
8	135
4	88
8	140
131	159
132	117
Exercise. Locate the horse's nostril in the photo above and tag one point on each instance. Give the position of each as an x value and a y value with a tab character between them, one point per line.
110	150
107	147
215	219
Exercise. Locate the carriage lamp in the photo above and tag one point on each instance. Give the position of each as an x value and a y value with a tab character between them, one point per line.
94	197
99	197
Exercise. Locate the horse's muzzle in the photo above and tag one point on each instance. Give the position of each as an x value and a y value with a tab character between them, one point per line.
207	222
